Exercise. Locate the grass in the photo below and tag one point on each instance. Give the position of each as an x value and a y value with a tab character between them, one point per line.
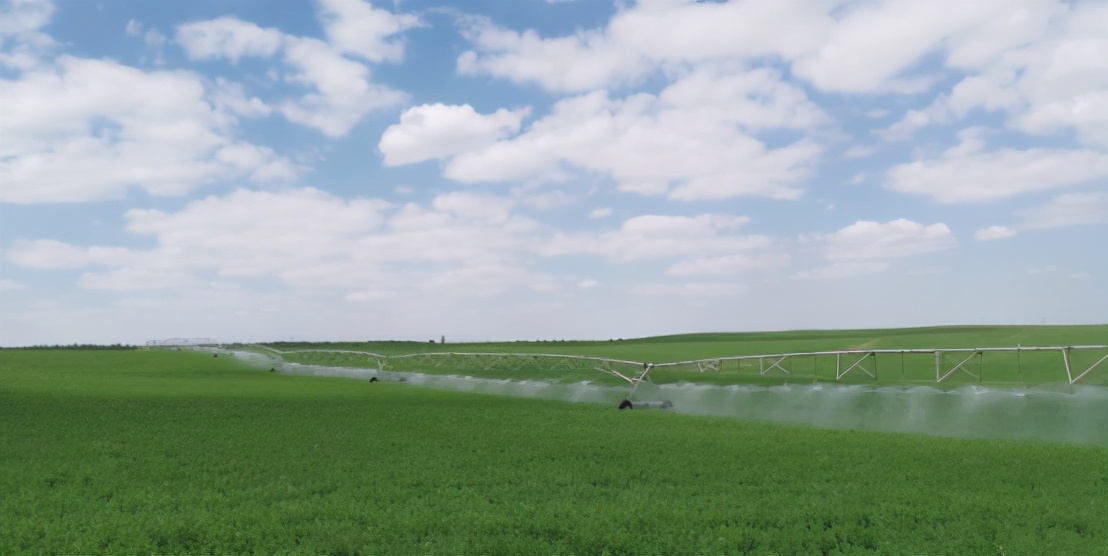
178	452
1027	368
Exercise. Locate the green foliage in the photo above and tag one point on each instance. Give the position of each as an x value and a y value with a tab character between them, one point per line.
82	347
178	452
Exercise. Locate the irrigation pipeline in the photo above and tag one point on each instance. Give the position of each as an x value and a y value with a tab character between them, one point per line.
1077	413
855	360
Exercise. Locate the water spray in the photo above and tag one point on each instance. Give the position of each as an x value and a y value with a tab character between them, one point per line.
1073	413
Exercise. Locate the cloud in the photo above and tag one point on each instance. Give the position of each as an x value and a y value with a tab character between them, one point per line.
639	40
658	237
1071	209
644	187
699	138
434	131
577	63
23	45
769	174
884	240
369	296
1031	62
262	163
993	232
728	264
601	212
51	254
542	201
356	27
859	151
472	207
855	47
876	46
361	249
24	16
653	144
152	38
254	233
1049	269
690	289
1087	113
10	285
341	91
914	120
587	284
231	97
227	37
344	93
138	279
85	130
836	271
485	279
962	175
868	48
1060	85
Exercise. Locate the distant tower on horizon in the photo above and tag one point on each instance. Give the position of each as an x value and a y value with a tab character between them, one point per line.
443	339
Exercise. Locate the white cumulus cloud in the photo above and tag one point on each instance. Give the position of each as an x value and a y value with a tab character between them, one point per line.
658	236
840	270
1071	209
885	240
966	177
84	130
993	232
356	27
10	285
728	264
651	145
433	131
227	37
341	91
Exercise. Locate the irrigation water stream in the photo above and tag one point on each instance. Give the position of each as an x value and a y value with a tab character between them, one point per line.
1077	413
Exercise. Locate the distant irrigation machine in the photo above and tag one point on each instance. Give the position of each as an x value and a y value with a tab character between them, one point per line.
852	364
947	361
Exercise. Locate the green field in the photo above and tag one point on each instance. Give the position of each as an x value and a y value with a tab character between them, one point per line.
180	452
1026	368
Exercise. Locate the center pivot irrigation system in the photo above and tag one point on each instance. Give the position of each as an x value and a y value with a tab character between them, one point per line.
947	361
856	359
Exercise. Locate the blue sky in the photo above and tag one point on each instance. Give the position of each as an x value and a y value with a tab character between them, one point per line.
345	170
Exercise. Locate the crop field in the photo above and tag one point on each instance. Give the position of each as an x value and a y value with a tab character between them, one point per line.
1025	368
182	452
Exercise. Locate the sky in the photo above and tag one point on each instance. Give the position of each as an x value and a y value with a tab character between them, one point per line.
251	170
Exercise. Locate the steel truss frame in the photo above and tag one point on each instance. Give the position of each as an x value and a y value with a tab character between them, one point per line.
635	372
